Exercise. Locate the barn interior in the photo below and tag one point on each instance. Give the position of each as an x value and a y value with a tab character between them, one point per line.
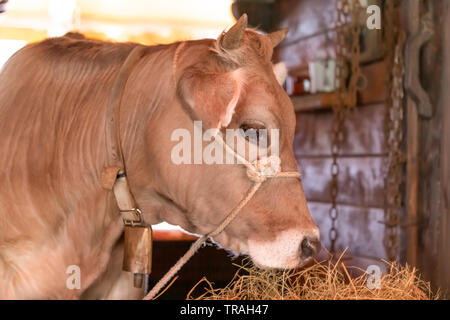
369	83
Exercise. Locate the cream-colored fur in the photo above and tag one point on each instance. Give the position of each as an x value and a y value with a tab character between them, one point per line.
53	211
281	72
282	252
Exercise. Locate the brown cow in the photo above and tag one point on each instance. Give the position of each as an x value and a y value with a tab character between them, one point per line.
53	211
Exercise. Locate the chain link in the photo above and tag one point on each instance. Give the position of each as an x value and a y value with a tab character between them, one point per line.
347	48
348	80
394	39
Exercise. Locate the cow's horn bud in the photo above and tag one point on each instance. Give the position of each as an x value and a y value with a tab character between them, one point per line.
233	37
277	36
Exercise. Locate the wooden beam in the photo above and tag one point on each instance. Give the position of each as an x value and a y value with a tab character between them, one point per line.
359	228
412	180
361	180
365	133
444	256
412	17
310	102
311	36
374	92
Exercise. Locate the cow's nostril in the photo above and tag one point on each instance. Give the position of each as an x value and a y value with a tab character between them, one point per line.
310	247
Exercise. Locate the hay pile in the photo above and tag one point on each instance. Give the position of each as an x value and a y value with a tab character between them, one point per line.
321	281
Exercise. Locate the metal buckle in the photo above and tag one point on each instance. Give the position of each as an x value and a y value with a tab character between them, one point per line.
133	223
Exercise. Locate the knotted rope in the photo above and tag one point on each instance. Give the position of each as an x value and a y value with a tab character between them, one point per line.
258	172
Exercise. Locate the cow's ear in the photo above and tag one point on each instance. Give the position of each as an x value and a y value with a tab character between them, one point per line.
210	97
281	72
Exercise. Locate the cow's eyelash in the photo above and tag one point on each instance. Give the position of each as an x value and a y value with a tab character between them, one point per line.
253	131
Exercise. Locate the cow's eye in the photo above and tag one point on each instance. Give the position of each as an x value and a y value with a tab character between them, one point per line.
255	132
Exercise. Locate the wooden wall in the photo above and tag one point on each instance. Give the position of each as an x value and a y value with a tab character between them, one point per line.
215	264
434	153
362	163
444	263
363	160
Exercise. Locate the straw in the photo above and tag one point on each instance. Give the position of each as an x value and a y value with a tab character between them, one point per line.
324	280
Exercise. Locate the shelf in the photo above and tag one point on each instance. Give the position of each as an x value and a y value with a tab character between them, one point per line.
313	102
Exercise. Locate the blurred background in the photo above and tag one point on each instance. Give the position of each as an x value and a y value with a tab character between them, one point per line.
144	21
392	195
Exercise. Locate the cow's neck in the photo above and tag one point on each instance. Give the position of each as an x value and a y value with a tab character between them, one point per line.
149	97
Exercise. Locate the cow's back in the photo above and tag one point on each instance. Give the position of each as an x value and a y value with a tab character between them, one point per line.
52	102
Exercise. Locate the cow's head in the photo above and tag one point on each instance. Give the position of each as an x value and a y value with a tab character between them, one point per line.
231	83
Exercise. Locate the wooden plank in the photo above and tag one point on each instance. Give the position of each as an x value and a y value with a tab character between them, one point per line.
361	180
359	228
444	261
412	180
444	257
364	133
311	102
434	155
308	18
375	91
211	262
412	184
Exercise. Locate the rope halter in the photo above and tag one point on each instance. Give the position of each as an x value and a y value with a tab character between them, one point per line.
258	171
267	167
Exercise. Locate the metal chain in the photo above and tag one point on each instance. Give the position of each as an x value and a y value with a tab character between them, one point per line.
394	41
347	50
